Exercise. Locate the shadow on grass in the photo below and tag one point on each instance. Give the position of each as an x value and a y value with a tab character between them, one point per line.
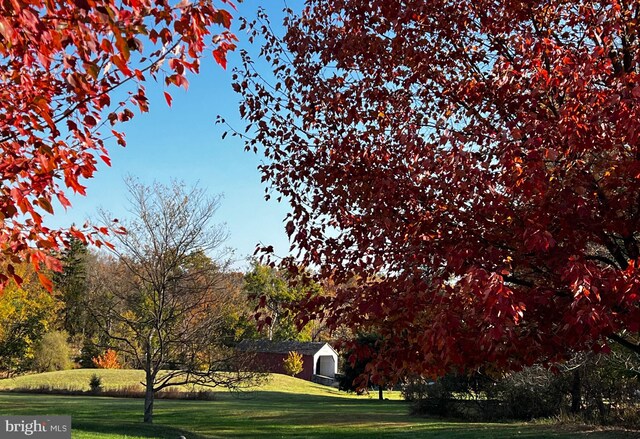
133	429
112	417
276	396
271	414
279	414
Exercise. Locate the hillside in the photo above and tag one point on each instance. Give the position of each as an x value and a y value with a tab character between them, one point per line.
114	379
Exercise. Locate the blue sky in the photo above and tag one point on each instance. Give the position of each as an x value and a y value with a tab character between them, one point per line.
183	142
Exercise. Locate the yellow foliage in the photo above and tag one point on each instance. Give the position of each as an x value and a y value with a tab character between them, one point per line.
293	364
31	309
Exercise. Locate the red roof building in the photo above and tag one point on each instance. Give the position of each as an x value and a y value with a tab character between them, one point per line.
320	361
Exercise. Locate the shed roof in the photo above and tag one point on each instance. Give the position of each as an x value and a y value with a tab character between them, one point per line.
281	347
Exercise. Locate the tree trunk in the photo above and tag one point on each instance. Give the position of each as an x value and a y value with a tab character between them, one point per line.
602	409
380	395
272	326
148	404
149	380
576	392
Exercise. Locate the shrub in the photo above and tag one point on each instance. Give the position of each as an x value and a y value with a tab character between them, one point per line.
594	388
415	389
534	392
609	388
293	363
95	383
127	391
52	352
109	360
452	395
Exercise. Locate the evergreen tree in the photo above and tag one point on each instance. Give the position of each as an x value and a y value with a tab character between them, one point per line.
72	285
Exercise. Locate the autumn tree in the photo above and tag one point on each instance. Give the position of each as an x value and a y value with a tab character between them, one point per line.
479	159
27	313
60	63
162	299
293	364
108	360
358	366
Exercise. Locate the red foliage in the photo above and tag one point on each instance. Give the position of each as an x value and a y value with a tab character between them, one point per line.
60	61
475	164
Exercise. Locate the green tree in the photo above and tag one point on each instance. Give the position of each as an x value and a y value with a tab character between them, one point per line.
240	322
52	352
272	291
71	282
27	312
267	287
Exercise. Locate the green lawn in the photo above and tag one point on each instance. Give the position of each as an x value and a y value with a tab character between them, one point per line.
112	379
296	409
77	379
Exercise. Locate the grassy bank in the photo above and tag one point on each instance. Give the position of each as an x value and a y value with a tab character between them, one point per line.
114	379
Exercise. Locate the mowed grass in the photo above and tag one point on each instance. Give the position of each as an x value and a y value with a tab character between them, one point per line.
114	379
297	410
77	379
